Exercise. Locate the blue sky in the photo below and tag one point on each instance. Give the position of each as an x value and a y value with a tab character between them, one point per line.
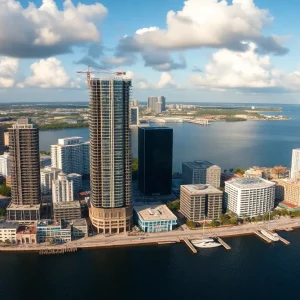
206	50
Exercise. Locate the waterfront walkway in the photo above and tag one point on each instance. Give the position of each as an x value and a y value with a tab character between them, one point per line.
100	241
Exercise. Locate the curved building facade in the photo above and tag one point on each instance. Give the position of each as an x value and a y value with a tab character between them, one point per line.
249	197
110	155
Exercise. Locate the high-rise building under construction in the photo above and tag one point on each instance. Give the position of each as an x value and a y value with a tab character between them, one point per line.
110	155
25	171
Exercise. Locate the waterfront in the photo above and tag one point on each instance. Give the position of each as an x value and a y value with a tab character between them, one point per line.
229	144
251	270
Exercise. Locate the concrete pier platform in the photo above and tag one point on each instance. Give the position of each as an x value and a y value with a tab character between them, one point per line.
262	236
286	242
190	245
225	245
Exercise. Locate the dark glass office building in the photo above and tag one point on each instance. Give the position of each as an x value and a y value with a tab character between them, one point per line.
155	153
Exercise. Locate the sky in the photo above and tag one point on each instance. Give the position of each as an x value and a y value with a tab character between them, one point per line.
189	51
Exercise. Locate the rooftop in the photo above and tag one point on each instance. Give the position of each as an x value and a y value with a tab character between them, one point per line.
79	222
48	222
9	225
154	212
13	206
199	164
69	204
250	183
155	128
30	229
291	205
200	189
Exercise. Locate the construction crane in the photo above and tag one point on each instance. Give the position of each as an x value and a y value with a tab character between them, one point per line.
88	73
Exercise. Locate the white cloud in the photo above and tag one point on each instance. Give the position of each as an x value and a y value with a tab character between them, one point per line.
49	73
208	23
43	31
138	81
8	70
166	81
230	69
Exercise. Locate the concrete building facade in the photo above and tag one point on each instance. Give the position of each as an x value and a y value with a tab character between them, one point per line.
201	172
295	169
155	218
62	189
157	104
2	142
71	155
200	201
4	165
77	182
110	163
55	231
8	232
47	175
288	190
249	197
25	170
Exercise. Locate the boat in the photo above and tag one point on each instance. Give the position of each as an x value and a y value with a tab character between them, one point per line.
271	235
207	245
205	242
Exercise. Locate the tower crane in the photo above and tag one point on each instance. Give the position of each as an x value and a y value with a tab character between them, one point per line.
89	71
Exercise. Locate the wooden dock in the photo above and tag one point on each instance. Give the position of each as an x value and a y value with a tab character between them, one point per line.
289	229
225	245
55	251
262	236
190	245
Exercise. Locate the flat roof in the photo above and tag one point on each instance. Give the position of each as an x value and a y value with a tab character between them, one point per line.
200	189
155	128
154	212
13	206
250	183
69	204
79	222
288	204
30	229
199	164
9	225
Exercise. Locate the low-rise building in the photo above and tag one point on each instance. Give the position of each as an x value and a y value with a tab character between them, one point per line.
154	218
200	201
79	228
26	234
249	197
55	231
8	231
24	214
67	210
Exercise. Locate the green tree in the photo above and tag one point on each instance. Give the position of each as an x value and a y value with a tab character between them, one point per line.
190	224
239	171
2	212
5	190
134	168
174	205
214	223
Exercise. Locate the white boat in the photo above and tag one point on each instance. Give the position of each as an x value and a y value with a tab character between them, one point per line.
205	240
207	245
271	235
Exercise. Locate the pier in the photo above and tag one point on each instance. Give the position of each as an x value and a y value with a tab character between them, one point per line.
262	236
55	251
286	242
225	245
190	245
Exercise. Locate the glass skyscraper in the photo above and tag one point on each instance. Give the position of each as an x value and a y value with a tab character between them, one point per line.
155	153
110	155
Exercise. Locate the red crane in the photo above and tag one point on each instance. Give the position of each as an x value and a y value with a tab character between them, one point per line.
88	73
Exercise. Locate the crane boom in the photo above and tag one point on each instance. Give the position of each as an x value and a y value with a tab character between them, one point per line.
88	73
